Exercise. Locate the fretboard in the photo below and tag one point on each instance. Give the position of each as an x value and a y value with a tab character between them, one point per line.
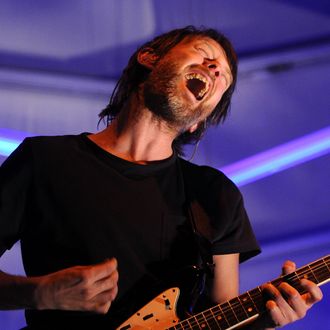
252	303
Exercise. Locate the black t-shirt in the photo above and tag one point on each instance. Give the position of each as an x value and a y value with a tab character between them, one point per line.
72	203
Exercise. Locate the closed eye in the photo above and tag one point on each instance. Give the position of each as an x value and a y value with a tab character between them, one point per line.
203	52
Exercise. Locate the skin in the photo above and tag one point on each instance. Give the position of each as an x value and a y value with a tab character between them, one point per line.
145	137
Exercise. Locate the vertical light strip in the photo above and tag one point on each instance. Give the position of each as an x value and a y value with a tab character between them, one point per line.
279	158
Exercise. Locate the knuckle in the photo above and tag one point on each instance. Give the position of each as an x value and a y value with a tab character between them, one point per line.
114	263
85	276
111	265
86	293
294	295
103	308
116	276
113	294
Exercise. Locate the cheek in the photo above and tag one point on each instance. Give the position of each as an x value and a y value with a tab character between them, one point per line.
215	99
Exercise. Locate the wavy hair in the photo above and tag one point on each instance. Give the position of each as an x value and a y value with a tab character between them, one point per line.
135	74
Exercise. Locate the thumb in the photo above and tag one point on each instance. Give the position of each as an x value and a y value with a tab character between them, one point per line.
288	267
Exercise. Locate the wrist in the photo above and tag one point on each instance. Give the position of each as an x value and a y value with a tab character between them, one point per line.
17	292
41	292
26	288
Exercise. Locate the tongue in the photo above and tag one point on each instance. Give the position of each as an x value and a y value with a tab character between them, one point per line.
195	86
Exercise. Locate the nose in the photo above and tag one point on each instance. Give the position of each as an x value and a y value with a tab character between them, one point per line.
213	67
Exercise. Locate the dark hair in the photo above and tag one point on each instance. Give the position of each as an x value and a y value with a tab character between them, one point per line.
134	74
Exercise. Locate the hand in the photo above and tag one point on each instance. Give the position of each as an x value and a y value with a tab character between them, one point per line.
287	305
80	288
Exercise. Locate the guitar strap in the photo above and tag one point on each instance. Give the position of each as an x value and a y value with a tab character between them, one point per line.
194	187
197	218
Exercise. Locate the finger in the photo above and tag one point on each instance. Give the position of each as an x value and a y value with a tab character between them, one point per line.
102	302
274	294
103	269
298	307
276	315
100	307
105	297
314	293
288	267
283	306
105	284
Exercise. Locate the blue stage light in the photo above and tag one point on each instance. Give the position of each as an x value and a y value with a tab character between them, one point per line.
10	139
279	158
7	146
242	172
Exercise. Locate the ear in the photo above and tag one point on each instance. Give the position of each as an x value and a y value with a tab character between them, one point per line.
147	57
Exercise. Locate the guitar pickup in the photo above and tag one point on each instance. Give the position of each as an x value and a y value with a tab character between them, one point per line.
167	304
148	316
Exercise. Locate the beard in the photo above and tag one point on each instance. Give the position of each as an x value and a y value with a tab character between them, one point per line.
167	100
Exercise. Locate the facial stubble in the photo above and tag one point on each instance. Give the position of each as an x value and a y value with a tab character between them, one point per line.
166	97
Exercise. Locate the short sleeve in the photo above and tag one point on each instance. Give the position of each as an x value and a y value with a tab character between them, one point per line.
219	211
15	187
239	236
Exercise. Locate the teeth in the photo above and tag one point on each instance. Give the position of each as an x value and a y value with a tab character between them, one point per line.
201	78
202	92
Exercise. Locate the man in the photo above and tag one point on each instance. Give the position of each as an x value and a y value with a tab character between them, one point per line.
80	204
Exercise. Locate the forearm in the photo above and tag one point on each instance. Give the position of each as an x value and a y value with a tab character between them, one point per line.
79	288
17	292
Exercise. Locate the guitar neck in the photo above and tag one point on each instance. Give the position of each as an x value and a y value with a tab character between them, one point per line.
252	303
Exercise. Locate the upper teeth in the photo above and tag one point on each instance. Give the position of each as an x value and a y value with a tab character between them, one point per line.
201	78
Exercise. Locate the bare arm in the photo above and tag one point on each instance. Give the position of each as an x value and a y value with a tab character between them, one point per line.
226	277
80	288
16	292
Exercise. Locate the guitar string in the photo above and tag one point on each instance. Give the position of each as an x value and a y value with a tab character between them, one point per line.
236	302
231	306
293	277
201	318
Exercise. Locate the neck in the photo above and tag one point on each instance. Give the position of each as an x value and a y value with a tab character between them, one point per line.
137	136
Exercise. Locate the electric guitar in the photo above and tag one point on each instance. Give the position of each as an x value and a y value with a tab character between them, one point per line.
160	313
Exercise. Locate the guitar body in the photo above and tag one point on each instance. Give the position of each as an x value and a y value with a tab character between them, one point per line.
162	312
162	304
158	314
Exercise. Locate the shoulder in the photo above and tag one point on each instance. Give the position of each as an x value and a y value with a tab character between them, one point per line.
206	178
45	151
51	146
51	142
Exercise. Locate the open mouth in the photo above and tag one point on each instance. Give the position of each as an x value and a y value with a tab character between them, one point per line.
197	85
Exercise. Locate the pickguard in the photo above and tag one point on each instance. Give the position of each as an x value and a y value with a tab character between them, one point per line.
157	314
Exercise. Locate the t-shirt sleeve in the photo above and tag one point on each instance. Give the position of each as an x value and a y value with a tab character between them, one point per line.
239	236
228	227
15	188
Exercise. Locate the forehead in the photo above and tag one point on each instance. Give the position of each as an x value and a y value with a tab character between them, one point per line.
210	43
